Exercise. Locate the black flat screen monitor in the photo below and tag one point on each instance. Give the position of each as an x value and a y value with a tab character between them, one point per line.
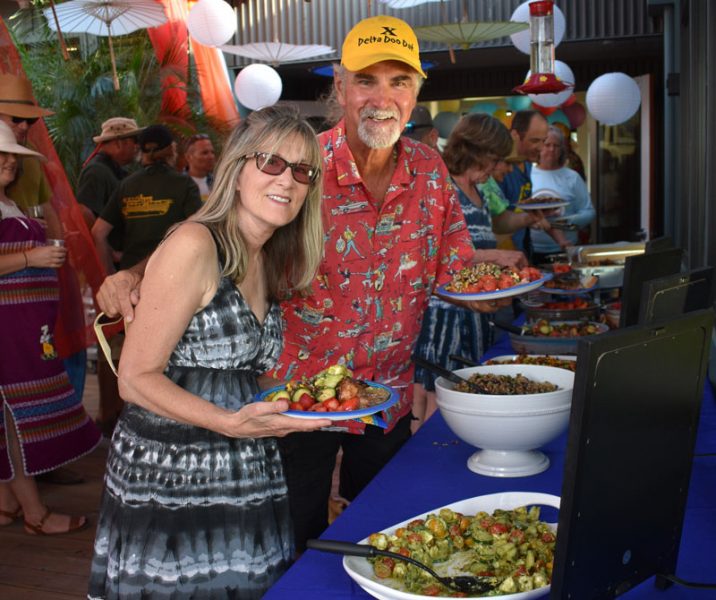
641	268
670	296
658	244
635	412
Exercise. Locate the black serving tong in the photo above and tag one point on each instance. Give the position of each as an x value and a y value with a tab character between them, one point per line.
469	584
468	362
475	388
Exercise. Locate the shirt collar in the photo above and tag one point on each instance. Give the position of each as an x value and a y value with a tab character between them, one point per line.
346	169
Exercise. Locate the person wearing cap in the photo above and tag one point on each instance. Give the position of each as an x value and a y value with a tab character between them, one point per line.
391	198
147	202
116	148
394	196
41	414
19	111
420	127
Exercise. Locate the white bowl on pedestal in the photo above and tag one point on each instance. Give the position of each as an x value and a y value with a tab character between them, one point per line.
508	428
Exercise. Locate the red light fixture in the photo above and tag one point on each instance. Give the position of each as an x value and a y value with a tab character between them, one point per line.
542	80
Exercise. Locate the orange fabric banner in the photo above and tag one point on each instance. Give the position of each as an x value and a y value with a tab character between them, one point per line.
170	45
83	273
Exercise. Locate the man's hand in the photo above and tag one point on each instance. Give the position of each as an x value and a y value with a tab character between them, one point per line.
119	294
487	306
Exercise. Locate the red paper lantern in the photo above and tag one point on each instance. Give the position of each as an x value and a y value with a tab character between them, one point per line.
569	101
576	113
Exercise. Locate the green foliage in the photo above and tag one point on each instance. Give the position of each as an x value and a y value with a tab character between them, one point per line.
80	90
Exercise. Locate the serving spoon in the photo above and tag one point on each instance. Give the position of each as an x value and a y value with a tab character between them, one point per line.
473	387
469	584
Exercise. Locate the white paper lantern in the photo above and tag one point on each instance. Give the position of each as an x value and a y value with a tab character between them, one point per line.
562	71
257	86
613	98
211	22
521	39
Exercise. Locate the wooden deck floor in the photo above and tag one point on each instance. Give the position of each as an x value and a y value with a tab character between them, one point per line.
56	567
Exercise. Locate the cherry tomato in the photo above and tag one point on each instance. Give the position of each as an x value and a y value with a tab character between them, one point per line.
498	529
318	407
332	404
350	404
489	283
307	401
296	406
505	281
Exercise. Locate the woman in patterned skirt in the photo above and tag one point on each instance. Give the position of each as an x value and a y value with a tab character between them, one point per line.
42	422
195	504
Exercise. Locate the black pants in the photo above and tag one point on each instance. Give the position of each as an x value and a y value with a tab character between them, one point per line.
309	460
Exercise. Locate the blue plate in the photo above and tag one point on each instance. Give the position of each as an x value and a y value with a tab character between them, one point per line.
575	292
515	290
339	415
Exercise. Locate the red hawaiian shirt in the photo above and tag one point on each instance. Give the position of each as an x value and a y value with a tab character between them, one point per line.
382	262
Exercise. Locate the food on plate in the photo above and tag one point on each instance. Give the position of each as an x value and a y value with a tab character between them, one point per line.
531	359
544	328
571	280
507	385
331	390
575	304
512	546
490	277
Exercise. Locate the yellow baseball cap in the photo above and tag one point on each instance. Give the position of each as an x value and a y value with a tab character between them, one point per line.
380	38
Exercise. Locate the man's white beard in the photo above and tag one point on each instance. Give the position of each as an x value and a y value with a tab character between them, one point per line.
378	135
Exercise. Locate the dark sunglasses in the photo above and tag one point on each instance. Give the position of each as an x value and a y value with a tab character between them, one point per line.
30	122
273	164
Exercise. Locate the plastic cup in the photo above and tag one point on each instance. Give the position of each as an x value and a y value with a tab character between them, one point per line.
36	212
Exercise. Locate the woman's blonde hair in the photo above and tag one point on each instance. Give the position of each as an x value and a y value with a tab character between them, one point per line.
294	251
475	136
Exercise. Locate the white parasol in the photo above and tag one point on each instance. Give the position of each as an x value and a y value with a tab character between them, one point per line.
406	3
106	18
278	52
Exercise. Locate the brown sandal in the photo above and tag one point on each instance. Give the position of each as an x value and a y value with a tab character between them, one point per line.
12	515
76	524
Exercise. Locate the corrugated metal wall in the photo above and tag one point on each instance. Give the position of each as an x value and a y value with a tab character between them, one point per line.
327	21
695	185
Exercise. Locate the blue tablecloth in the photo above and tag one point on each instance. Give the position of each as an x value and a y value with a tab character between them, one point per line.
430	471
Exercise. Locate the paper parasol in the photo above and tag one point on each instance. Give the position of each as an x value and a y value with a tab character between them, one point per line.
277	52
106	18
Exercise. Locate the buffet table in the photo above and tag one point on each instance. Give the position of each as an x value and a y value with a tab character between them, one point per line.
430	471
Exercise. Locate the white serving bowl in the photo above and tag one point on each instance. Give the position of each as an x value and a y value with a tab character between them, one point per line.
508	429
361	571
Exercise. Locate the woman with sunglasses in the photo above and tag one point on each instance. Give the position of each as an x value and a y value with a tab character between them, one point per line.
41	415
196	504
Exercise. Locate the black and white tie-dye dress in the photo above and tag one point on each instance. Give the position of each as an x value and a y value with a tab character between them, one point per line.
186	512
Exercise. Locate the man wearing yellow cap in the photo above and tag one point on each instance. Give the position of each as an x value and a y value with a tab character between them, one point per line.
390	197
409	236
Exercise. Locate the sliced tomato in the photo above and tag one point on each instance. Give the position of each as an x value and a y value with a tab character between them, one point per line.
318	407
350	404
489	283
332	404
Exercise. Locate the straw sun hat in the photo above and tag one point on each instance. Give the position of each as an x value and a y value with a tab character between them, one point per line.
9	144
16	98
